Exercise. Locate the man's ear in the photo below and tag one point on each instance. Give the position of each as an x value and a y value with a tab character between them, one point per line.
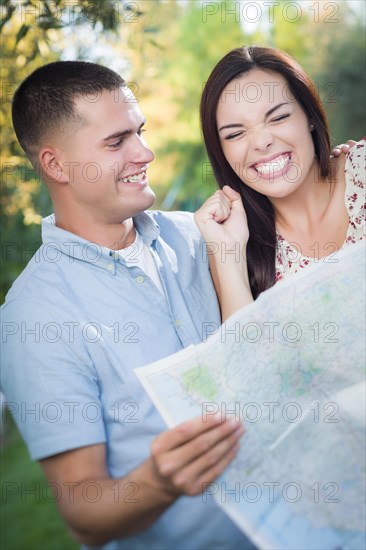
50	167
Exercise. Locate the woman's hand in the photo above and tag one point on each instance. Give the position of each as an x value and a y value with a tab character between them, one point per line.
223	222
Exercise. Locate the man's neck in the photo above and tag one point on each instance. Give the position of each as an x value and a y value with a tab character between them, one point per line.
114	236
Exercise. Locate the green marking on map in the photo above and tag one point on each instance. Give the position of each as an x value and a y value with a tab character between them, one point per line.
308	376
297	382
198	380
326	297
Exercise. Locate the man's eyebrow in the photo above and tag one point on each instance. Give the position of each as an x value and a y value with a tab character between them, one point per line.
268	113
123	133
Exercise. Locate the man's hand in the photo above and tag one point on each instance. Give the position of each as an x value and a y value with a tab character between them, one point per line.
194	453
343	148
181	461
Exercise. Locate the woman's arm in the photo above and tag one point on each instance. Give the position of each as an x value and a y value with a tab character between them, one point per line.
223	224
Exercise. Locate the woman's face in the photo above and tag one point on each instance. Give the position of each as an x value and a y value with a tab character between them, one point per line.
264	134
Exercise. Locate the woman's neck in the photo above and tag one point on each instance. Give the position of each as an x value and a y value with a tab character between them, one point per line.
315	217
307	206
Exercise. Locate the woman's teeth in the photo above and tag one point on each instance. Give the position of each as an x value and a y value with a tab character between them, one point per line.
274	166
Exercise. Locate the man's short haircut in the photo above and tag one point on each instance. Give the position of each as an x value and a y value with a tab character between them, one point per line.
45	100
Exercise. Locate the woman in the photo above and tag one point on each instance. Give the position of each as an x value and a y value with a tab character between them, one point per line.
267	138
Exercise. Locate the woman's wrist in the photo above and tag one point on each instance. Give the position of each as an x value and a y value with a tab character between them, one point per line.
231	266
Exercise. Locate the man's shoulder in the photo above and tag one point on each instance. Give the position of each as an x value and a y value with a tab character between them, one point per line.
19	286
36	284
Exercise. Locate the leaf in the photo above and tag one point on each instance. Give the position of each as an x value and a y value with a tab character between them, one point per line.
151	29
156	44
47	24
22	32
9	12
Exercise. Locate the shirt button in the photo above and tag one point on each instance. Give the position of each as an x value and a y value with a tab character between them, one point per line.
110	267
140	279
177	323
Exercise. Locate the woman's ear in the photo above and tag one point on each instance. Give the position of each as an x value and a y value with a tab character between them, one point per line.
50	168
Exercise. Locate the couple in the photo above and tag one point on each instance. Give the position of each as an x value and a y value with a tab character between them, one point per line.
114	288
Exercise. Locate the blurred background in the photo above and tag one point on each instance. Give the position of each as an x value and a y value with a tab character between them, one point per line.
165	50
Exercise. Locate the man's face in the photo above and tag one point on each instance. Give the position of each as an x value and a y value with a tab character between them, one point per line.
106	159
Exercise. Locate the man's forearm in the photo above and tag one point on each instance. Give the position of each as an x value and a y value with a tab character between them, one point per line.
103	509
98	508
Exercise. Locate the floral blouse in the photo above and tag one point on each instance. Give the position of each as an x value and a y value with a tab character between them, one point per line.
289	260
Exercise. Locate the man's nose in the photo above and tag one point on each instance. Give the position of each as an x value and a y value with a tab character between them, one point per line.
139	151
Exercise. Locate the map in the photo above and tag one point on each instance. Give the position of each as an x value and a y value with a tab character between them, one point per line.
291	367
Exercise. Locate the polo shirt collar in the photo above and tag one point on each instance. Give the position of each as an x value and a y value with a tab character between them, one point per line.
76	247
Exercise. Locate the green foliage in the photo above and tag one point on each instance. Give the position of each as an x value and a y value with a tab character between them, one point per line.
342	83
20	235
330	44
29	516
56	14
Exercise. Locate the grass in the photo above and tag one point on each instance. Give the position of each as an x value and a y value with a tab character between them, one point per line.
29	518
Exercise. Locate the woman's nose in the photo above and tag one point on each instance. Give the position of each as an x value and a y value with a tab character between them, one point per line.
261	138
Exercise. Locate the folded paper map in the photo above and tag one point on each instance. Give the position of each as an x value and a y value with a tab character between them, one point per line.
291	367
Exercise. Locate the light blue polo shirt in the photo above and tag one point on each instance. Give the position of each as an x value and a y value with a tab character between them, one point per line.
76	323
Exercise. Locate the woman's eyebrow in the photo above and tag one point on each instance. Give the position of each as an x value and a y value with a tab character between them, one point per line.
230	126
268	113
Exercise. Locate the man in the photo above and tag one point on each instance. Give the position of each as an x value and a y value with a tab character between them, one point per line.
112	288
